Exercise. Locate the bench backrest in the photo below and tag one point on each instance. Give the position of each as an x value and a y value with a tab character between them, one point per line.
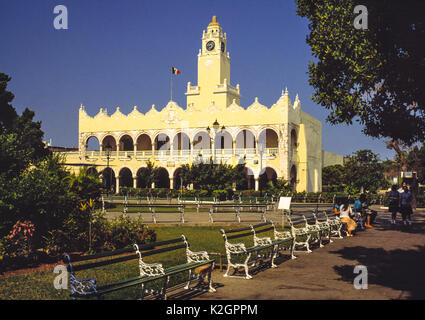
120	255
310	218
236	233
263	227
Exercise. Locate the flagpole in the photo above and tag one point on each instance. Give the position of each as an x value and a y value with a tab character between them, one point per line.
171	93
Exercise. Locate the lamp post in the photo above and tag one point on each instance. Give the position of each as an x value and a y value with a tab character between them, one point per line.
108	150
216	127
261	151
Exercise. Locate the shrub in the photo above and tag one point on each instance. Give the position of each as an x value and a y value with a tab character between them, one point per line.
220	194
21	237
125	231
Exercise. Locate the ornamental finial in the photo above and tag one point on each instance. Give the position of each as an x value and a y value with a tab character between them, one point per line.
214	22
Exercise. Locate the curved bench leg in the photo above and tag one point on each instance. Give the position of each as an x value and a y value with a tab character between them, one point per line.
247	276
274	254
320	239
293	249
211	288
187	286
307	244
229	265
164	289
143	290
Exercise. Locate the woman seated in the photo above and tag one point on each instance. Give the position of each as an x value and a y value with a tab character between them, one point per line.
345	216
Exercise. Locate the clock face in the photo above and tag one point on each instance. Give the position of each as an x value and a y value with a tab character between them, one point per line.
210	45
222	47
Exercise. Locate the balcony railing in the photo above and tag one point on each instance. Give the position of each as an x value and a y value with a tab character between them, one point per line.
181	154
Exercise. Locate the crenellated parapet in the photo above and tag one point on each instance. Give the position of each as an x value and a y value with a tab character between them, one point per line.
193	116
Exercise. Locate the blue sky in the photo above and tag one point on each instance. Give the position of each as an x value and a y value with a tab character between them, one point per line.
119	53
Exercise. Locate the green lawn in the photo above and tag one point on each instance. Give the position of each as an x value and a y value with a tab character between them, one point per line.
39	284
145	209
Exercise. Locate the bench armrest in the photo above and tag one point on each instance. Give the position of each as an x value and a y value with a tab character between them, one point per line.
82	287
149	269
282	235
199	256
262	241
235	248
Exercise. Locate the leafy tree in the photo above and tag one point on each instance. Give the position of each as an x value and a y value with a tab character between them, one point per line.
333	175
149	174
39	194
416	162
364	172
372	76
7	111
85	185
210	176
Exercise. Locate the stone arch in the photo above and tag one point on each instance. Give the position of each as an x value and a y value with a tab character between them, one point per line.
126	143
162	141
294	139
92	171
268	138
109	180
223	140
245	139
109	140
144	142
266	175
176	179
181	141
201	140
125	177
249	182
163	178
141	181
293	175
92	143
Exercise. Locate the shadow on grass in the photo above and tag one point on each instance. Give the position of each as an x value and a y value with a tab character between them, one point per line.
396	269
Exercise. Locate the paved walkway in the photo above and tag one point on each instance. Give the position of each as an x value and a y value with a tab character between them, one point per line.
393	255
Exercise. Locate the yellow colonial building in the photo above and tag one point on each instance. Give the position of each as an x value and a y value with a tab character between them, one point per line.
279	141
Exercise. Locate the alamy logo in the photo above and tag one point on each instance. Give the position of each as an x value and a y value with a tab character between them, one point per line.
61	20
61	281
360	281
360	21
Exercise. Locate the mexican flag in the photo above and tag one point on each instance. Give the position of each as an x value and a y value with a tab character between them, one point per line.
175	70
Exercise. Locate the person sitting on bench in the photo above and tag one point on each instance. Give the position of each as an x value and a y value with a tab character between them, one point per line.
368	213
345	215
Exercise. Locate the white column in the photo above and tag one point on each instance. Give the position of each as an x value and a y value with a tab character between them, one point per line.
135	149
135	182
257	183
117	189
171	182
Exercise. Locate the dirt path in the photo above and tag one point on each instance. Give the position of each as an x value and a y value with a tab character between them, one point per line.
394	257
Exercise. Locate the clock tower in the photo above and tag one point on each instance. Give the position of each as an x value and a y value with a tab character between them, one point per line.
213	72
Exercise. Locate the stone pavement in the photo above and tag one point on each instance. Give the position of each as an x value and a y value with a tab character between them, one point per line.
394	257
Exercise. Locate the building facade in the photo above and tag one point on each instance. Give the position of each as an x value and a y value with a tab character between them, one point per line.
281	141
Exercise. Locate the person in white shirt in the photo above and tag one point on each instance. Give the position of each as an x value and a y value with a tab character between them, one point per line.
345	216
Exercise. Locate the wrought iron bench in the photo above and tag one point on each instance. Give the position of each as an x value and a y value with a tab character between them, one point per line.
237	209
238	254
154	209
148	272
303	233
279	237
335	225
319	228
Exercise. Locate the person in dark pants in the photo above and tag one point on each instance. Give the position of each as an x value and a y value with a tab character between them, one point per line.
406	204
368	213
394	198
